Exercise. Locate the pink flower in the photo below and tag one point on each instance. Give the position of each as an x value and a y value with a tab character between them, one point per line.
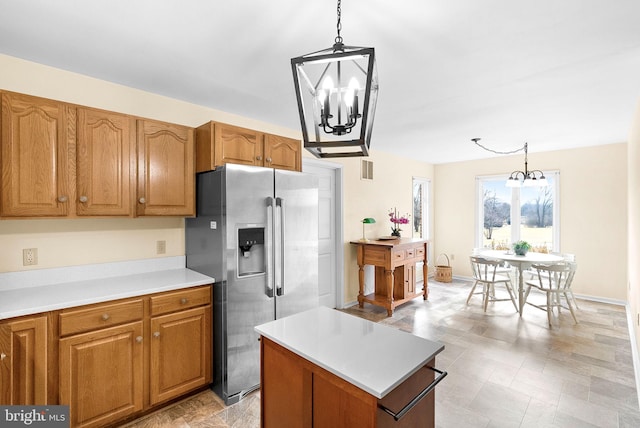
395	219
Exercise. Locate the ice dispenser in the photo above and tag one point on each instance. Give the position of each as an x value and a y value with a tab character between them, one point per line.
251	255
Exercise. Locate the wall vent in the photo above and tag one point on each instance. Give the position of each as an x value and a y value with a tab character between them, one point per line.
366	170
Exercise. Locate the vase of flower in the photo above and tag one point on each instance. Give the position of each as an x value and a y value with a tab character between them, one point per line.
397	220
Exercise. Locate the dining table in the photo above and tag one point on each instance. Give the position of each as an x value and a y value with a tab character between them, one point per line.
521	263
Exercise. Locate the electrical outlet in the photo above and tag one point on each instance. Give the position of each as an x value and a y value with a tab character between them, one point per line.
161	247
29	256
453	256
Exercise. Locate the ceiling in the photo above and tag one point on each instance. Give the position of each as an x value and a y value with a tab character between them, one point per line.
553	73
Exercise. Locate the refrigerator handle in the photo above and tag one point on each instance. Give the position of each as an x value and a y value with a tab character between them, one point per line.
270	212
280	207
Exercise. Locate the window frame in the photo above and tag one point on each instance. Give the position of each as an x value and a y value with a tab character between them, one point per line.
515	215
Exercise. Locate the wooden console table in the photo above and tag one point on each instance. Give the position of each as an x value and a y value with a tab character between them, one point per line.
395	263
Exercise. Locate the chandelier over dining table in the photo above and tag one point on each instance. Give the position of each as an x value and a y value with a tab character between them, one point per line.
526	178
336	92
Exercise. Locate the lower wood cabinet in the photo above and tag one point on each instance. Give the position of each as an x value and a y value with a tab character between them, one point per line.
109	361
102	373
23	361
180	345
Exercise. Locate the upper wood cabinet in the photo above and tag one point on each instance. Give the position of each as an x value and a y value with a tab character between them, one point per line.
282	152
105	155
37	156
218	144
63	160
23	361
166	177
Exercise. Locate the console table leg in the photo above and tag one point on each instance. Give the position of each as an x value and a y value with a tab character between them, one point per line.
425	286
361	286
390	279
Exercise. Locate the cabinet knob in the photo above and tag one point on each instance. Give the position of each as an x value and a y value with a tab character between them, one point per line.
105	317
142	200
156	334
83	199
258	157
3	356
183	301
62	198
268	160
139	339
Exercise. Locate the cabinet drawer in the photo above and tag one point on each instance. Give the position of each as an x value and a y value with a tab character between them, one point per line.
397	256
419	252
96	317
182	299
410	253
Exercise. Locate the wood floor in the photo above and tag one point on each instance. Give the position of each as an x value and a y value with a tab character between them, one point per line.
504	371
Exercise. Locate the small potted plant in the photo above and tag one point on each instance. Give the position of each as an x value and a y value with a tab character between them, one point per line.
521	248
397	221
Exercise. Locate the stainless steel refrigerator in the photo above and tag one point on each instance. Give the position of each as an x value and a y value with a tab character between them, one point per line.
256	233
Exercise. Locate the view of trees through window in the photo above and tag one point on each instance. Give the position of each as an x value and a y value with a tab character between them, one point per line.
420	227
532	219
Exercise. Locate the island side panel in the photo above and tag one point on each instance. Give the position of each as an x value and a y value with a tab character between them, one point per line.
286	396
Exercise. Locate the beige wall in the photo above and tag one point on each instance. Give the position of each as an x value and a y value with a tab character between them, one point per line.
634	222
593	206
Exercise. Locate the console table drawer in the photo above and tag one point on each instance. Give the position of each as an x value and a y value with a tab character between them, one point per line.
398	256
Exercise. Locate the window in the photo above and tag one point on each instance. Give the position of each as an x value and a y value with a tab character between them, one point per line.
420	229
421	195
507	215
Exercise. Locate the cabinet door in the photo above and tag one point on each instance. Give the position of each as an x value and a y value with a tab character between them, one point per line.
282	153
180	353
237	145
23	362
105	163
101	374
166	177
410	279
37	135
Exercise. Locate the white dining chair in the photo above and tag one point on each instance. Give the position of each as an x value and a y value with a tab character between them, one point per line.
485	273
503	269
555	281
566	257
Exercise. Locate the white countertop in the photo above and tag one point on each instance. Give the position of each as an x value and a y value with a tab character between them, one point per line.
20	297
373	357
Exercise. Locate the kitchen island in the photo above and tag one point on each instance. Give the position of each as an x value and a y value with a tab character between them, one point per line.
325	368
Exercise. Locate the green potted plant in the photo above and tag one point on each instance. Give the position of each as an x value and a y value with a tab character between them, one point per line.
521	248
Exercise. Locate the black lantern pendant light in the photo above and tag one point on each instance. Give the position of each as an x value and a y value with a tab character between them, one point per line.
337	90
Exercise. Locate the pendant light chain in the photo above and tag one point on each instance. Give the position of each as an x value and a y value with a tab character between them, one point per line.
338	38
475	140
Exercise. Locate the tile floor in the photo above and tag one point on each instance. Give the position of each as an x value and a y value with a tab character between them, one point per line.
504	371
